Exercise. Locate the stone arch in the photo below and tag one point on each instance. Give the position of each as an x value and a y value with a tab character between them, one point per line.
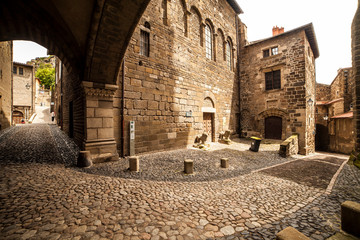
273	112
181	21
33	23
211	96
195	25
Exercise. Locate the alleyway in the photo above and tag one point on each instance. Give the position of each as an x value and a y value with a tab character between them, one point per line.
43	196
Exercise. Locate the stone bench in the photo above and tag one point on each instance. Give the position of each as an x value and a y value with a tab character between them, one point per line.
290	233
350	218
290	146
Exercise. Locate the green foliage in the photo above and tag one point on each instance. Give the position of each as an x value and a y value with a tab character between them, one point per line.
46	74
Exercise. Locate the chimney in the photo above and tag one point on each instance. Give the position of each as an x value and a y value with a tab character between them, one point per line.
277	30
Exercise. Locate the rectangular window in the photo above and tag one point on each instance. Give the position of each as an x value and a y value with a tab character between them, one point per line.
21	71
14	70
274	51
273	80
266	53
144	43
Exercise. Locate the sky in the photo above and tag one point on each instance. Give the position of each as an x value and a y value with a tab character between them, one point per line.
331	19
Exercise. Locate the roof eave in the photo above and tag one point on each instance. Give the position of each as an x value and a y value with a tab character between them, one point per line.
235	6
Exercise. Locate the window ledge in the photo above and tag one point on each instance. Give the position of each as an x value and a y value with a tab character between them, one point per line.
273	56
274	90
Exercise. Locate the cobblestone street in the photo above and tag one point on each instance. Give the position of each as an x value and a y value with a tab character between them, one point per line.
43	196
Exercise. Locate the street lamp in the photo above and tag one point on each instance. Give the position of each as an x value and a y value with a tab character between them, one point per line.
325	117
27	86
310	102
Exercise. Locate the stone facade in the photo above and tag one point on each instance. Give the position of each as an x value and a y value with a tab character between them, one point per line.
287	108
334	117
177	90
6	55
24	88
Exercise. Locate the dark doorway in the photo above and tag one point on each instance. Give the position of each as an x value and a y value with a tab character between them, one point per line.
273	127
208	125
71	119
321	138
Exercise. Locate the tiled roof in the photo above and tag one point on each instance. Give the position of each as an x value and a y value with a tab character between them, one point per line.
344	115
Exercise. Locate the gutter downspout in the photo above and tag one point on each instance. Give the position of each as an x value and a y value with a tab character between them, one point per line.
238	69
122	137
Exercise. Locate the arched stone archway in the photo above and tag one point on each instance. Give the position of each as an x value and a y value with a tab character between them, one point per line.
90	37
273	112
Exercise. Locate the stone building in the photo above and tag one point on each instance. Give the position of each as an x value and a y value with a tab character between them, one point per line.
24	88
278	86
6	55
180	76
334	116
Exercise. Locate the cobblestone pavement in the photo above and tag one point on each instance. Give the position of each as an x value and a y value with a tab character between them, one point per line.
43	197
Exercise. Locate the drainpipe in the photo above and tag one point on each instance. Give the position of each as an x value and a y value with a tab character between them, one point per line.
238	68
122	110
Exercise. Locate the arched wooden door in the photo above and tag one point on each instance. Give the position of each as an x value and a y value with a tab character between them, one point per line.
273	127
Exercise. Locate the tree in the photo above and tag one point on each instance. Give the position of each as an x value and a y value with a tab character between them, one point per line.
46	74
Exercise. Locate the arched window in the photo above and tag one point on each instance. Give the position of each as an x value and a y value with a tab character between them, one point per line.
208	41
228	55
145	40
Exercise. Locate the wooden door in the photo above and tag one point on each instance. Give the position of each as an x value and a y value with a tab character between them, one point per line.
17	117
208	125
273	127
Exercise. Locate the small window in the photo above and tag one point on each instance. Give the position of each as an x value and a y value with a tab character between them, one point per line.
145	40
21	71
272	80
228	55
274	51
208	41
266	53
14	70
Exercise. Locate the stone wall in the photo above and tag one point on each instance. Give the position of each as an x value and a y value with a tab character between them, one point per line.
342	139
6	55
323	92
295	60
167	93
24	89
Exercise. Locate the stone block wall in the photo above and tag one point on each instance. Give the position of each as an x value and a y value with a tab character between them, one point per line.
165	93
6	55
295	60
342	141
323	92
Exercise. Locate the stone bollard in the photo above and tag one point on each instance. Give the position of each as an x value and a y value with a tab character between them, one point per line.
134	164
224	163
84	159
189	166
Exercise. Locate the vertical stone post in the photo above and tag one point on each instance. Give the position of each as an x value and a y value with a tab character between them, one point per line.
99	129
134	164
355	48
189	166
224	163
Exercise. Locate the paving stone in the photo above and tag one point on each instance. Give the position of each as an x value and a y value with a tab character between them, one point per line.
63	201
